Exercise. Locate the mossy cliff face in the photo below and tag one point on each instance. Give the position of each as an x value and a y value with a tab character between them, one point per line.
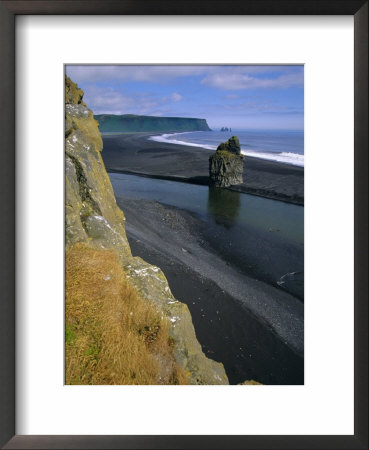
226	165
92	216
91	212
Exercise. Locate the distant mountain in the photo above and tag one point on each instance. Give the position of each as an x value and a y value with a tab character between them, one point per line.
133	123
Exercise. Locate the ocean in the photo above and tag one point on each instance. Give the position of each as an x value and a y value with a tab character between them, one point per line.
276	145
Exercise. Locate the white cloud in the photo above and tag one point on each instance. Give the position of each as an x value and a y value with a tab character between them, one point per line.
107	100
176	97
216	76
143	73
241	81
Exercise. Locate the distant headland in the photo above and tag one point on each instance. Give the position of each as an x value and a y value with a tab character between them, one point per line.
135	123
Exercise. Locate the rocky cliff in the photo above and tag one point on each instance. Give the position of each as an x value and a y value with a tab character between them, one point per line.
93	217
133	123
226	165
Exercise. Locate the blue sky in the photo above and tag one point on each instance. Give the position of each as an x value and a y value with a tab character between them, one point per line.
241	97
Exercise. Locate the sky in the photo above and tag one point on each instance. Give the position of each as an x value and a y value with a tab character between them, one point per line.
241	96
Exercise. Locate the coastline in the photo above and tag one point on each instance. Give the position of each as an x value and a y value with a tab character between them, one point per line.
253	327
280	153
133	153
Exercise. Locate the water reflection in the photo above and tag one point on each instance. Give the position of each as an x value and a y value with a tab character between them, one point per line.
224	206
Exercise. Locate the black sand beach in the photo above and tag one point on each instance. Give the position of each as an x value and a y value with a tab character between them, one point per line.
134	153
255	328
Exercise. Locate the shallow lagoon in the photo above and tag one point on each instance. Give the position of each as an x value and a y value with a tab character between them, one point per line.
261	237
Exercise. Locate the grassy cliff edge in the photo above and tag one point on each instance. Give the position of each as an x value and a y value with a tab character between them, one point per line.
95	235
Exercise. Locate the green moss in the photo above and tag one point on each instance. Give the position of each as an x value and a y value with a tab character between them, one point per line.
224	155
86	212
222	146
93	352
73	94
70	335
89	127
232	145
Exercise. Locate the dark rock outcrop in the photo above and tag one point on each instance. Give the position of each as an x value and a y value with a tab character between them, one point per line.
93	217
226	165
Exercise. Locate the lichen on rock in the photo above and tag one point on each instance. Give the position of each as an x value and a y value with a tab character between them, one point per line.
73	94
88	191
93	217
226	164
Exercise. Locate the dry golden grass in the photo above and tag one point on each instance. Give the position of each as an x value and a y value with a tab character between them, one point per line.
112	335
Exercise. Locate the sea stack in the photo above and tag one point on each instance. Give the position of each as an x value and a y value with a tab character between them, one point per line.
226	165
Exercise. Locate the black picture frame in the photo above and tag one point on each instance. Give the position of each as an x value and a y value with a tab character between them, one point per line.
8	11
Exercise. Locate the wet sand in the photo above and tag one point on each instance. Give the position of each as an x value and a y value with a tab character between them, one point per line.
134	153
